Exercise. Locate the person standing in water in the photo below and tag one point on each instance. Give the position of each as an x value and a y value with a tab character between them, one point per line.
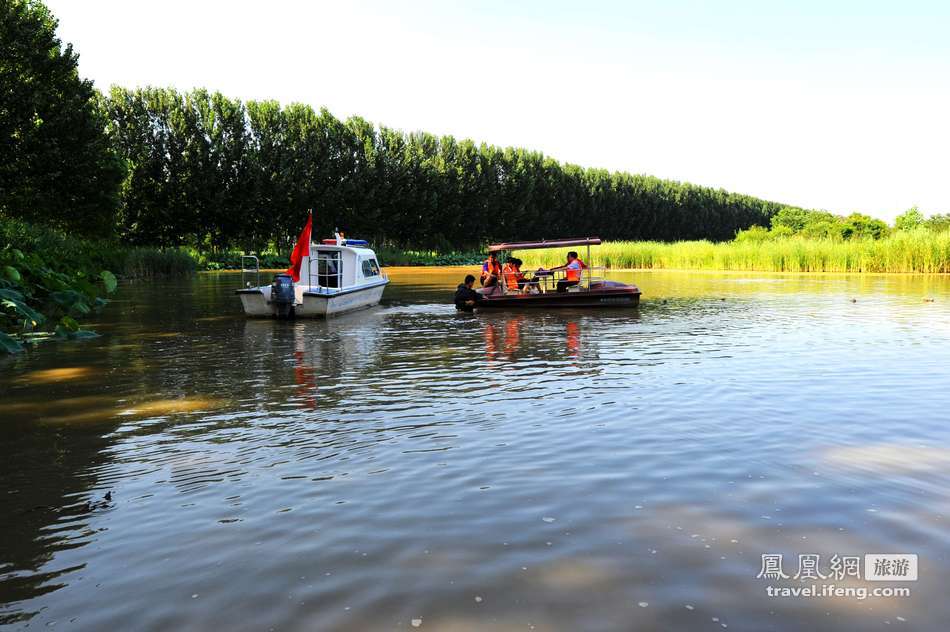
466	298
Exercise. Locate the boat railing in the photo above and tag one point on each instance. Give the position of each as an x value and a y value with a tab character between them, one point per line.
548	282
246	270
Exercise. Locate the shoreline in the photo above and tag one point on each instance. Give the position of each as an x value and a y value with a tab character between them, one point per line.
695	270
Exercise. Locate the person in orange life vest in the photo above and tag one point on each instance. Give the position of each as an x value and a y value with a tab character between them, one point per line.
511	273
491	270
522	279
572	271
524	283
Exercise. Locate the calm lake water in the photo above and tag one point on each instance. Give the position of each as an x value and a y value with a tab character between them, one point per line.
409	467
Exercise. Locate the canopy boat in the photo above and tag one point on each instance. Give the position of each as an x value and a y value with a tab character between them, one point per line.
592	290
331	277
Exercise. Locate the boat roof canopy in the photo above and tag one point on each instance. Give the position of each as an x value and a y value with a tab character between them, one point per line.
553	243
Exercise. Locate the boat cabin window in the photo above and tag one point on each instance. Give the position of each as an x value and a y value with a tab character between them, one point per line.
370	268
329	269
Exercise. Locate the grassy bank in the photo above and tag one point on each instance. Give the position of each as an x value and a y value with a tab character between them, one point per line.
918	250
388	256
50	281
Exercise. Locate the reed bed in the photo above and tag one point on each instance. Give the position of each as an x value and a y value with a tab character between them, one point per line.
920	251
145	263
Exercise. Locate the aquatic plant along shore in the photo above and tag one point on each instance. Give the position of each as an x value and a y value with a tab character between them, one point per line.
51	282
915	252
796	240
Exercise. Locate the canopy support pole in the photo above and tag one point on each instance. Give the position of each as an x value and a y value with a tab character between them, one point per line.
589	271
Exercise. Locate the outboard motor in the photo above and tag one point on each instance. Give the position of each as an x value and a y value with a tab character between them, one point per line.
282	295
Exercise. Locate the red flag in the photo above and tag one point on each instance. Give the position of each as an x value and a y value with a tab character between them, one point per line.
301	250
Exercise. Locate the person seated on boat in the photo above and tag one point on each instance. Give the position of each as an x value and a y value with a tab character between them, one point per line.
513	276
467	298
491	271
572	272
529	286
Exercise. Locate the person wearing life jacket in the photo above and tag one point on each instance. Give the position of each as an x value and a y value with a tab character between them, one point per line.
573	270
491	271
511	273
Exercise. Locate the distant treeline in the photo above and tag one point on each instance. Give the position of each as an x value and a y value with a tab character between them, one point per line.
213	172
155	167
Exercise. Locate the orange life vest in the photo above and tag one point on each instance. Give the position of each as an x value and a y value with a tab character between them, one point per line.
512	275
574	269
489	268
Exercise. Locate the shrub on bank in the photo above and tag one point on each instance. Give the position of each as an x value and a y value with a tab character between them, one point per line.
231	260
389	256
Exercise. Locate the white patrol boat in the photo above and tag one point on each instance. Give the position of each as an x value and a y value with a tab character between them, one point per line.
331	277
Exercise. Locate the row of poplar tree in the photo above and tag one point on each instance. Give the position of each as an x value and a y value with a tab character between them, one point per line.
211	170
158	167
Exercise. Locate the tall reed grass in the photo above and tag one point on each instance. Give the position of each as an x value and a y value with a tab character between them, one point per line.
903	251
62	251
153	262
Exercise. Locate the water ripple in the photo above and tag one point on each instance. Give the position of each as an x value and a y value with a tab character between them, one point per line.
553	470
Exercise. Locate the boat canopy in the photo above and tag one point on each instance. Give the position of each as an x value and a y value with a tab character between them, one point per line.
553	243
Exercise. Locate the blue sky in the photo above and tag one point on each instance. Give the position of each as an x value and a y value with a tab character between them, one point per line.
837	105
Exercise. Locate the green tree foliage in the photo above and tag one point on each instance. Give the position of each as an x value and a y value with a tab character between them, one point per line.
798	219
861	226
938	223
811	224
56	161
909	220
213	172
